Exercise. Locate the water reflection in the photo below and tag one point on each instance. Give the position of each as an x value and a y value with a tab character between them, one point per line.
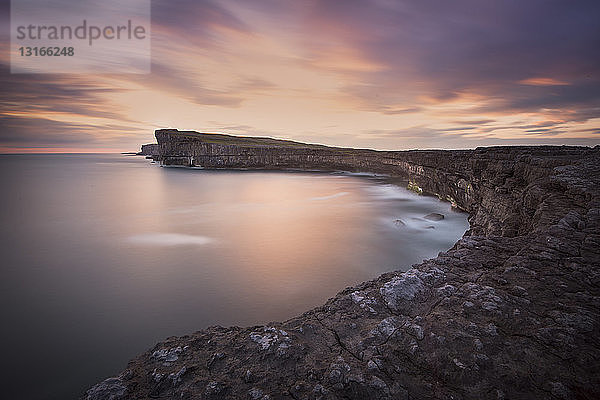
105	255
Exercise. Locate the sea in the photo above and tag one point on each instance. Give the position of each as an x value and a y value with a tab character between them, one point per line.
104	255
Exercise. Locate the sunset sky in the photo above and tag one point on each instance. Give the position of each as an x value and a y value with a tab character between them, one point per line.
383	74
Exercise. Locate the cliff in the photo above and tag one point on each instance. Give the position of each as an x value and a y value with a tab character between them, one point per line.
148	150
512	311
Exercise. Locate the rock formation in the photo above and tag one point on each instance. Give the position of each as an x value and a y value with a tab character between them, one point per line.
148	150
512	311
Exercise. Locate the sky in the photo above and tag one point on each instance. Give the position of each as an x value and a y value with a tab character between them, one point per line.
382	74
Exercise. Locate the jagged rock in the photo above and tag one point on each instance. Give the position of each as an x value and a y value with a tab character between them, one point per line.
110	389
512	311
434	217
148	150
399	222
402	288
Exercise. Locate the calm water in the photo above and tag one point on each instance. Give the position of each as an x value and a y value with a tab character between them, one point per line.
104	255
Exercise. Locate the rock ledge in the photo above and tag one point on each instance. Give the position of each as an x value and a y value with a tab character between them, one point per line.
512	311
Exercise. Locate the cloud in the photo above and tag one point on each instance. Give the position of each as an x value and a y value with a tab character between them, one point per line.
595	131
544	131
196	21
58	93
542	82
433	73
255	84
511	53
426	138
29	131
474	122
186	84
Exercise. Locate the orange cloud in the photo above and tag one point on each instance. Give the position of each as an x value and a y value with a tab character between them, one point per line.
542	82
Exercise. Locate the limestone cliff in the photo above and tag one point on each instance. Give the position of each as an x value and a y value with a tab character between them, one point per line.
148	150
512	311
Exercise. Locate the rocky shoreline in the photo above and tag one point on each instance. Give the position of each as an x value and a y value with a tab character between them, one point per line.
512	311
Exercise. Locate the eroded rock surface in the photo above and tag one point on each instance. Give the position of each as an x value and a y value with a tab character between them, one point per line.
512	311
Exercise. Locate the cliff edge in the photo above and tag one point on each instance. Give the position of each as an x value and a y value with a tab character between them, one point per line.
512	311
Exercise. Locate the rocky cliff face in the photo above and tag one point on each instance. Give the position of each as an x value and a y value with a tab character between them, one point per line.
512	311
148	150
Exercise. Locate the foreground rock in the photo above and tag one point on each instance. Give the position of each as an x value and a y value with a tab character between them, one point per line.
434	217
512	311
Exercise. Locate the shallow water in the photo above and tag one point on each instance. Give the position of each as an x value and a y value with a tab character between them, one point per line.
104	255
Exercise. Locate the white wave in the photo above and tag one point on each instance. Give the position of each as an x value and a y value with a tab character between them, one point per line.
331	196
389	192
169	239
367	174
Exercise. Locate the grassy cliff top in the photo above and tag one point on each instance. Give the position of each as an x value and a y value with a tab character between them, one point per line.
220	138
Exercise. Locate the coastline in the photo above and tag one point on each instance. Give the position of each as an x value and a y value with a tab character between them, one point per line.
511	311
